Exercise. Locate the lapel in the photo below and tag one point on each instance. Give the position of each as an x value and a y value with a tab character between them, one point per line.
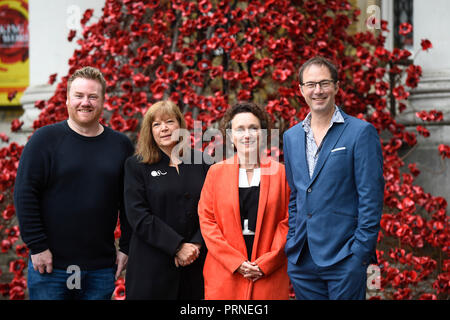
264	187
331	138
233	174
300	143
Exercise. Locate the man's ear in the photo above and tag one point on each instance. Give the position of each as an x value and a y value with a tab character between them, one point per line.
300	90
336	87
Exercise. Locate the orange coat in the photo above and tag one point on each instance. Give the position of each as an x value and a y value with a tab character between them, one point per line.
220	224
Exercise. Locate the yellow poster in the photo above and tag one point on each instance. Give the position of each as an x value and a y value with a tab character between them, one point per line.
14	62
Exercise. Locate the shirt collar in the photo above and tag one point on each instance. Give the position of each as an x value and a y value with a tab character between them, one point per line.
336	118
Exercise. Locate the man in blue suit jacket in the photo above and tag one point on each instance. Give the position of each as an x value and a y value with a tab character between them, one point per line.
334	167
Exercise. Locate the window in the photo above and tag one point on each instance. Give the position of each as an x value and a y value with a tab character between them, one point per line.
403	12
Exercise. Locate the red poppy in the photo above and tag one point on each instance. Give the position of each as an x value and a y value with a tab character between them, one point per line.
279	75
216	71
17	266
405	28
117	122
399	54
129	110
152	4
436	115
86	16
4	289
230	75
409	138
423	131
204	6
442	283
432	115
131	124
119	292
4	138
17	293
140	80
428	296
5	245
117	231
13	233
400	93
444	151
22	251
9	212
412	81
228	43
204	65
381	88
244	95
158	87
188	57
426	44
71	35
40	104
16	125
413	168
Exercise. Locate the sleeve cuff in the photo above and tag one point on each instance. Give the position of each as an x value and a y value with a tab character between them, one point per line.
38	248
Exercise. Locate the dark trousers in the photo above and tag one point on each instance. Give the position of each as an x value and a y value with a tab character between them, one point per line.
345	280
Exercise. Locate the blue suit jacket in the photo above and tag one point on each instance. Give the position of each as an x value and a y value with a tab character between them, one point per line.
338	210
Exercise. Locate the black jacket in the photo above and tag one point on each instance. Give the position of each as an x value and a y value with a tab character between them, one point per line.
161	207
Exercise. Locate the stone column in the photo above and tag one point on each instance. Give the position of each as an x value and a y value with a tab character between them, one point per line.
49	50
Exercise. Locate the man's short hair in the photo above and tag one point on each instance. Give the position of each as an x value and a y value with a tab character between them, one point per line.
90	73
320	61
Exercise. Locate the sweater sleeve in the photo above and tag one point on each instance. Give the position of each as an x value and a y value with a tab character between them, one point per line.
32	176
146	225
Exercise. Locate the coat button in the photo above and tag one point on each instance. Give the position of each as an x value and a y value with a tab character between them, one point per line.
309	215
309	190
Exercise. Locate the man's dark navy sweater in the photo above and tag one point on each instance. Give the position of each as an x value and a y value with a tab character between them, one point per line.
68	192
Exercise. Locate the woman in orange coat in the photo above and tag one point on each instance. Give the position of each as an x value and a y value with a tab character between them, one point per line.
243	211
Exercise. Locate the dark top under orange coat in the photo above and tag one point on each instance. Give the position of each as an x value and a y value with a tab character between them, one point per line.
221	228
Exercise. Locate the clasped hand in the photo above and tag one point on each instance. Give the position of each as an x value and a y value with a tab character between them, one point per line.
250	270
187	254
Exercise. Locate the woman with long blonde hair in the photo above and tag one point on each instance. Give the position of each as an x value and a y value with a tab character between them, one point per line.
162	189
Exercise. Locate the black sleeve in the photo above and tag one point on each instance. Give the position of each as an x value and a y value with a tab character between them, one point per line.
197	237
125	228
32	174
144	223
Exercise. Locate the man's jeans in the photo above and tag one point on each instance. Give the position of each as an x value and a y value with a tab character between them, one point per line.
85	285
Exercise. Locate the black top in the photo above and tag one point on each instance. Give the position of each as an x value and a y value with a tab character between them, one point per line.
68	191
248	206
161	207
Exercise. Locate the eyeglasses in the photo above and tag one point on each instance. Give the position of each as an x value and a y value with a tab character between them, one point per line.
251	131
324	84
